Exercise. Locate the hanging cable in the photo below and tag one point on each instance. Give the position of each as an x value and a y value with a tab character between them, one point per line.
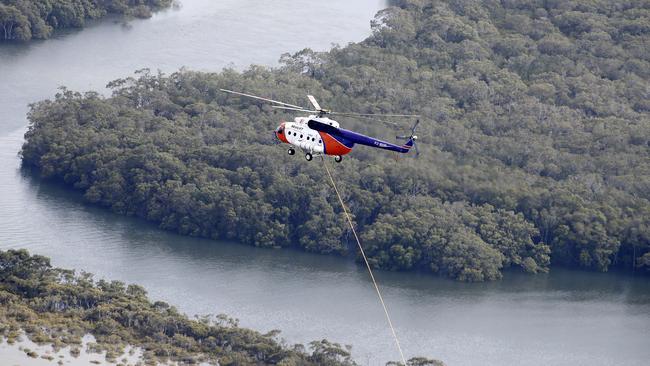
365	259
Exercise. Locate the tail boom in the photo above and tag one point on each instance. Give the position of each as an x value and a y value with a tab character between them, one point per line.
360	139
339	141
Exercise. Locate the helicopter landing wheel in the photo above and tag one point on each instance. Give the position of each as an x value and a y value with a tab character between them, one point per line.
308	156
338	158
291	151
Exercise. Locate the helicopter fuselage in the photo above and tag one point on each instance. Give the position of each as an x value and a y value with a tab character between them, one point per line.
321	135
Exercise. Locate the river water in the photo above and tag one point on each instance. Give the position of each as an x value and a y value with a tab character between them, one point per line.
564	318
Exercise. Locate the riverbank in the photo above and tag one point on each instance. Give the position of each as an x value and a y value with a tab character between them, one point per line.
26	20
59	307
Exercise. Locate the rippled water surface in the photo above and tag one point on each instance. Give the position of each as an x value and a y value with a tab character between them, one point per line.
566	318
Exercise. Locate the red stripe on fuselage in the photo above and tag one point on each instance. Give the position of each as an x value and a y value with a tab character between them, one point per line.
332	145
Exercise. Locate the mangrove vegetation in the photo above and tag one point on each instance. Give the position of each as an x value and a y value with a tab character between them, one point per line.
23	20
58	307
535	142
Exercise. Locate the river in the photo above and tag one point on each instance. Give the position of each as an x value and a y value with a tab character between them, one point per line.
563	318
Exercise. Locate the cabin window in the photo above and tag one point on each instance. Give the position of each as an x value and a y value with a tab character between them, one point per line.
320	142
300	136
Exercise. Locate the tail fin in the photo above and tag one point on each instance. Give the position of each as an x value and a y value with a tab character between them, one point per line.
409	144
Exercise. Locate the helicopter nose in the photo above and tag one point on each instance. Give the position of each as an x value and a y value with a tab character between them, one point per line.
279	133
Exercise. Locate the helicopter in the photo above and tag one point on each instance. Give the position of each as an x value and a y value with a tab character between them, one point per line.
318	135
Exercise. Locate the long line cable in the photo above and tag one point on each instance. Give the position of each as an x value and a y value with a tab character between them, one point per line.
365	259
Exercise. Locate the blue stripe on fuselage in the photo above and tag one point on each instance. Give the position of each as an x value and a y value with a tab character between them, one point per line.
357	138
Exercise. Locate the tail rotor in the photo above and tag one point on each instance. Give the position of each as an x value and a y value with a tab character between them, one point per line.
412	137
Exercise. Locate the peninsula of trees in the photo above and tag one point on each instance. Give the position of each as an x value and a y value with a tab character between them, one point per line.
22	20
535	142
58	307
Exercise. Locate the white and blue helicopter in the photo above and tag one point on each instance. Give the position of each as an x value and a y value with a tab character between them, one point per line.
317	134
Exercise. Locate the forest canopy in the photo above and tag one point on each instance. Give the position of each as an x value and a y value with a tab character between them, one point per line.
22	20
535	142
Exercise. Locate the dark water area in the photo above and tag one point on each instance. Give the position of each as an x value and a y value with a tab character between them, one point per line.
566	317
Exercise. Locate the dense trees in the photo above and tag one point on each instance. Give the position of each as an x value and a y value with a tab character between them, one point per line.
536	142
23	20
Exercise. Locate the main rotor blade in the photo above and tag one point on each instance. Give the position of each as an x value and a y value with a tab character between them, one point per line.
415	126
293	109
314	102
261	98
394	124
373	115
373	120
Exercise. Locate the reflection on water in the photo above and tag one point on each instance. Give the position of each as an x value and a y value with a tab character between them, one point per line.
563	318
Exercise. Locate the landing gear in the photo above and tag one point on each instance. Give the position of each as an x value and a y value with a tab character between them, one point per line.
308	157
291	151
338	158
